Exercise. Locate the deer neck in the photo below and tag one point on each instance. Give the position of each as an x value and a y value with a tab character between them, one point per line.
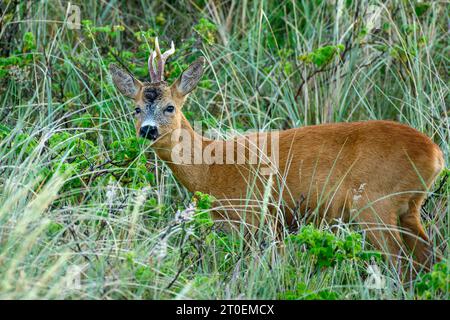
191	172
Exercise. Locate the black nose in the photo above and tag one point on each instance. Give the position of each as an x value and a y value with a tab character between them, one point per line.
149	132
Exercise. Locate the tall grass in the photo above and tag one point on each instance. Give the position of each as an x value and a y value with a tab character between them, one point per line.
79	219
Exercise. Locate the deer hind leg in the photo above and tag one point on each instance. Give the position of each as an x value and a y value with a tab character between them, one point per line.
414	234
379	221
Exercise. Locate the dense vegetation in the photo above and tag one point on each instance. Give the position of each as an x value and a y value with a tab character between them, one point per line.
88	211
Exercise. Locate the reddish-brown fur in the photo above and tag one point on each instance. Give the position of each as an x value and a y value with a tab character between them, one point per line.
374	173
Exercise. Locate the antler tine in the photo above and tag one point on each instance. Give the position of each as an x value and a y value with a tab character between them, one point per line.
164	57
170	52
151	68
160	68
158	50
162	61
158	74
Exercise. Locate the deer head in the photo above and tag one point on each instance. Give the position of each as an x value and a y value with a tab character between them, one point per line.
157	104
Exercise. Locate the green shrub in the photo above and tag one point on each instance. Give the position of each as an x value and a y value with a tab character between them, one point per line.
327	249
435	283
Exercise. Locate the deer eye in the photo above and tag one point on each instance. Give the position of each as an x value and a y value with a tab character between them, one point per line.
137	110
169	109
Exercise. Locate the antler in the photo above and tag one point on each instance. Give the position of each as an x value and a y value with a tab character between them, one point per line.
158	74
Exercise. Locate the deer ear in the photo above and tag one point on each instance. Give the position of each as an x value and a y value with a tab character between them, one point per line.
190	77
125	82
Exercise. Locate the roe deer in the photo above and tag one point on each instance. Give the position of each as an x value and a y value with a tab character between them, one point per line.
374	173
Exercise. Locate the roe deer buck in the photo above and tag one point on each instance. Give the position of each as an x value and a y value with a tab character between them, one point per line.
374	173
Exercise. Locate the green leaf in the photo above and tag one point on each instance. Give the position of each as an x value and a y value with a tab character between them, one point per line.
323	55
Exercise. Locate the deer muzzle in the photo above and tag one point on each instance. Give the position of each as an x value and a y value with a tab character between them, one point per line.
149	132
